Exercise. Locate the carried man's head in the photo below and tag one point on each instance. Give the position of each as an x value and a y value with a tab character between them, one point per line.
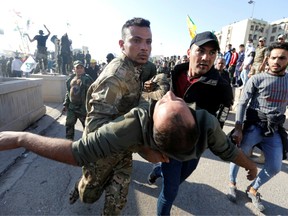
175	131
136	40
202	53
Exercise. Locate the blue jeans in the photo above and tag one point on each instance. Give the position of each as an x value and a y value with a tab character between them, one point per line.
173	173
244	76
273	151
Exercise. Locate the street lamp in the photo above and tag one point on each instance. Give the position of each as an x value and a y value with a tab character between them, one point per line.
252	2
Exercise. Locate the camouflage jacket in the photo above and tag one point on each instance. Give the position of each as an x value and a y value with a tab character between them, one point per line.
115	92
86	81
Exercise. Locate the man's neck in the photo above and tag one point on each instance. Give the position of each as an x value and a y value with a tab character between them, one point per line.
281	73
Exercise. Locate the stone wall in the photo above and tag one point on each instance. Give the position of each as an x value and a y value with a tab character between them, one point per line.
21	103
53	88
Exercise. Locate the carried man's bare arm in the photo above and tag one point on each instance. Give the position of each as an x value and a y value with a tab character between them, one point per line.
52	148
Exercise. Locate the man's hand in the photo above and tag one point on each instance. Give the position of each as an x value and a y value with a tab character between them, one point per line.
9	140
237	136
252	173
149	86
152	156
243	161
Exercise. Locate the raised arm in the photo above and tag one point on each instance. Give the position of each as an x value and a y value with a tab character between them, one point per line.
31	40
47	30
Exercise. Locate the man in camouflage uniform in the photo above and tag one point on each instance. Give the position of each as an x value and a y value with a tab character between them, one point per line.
115	92
260	58
77	86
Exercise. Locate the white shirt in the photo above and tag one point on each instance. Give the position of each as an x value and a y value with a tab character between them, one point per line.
16	65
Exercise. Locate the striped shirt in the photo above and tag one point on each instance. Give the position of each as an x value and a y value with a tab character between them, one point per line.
266	93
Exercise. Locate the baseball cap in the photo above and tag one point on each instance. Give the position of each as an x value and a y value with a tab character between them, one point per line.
93	61
41	32
76	63
280	36
262	39
203	38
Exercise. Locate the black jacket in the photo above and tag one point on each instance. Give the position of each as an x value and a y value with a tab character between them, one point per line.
210	92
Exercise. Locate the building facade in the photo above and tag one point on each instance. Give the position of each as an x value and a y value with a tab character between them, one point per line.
239	32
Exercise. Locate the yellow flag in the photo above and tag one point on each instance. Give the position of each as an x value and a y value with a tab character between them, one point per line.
191	26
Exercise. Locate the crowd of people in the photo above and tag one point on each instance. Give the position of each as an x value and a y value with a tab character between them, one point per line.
170	111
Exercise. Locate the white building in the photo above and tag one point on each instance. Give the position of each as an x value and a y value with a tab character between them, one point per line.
239	32
276	28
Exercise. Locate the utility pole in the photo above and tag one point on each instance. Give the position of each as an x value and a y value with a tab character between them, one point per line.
252	2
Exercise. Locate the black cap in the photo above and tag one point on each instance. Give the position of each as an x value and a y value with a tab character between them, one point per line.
203	38
110	56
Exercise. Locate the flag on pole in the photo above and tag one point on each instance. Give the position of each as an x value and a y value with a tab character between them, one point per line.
191	26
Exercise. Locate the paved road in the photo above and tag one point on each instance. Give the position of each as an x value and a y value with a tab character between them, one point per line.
37	186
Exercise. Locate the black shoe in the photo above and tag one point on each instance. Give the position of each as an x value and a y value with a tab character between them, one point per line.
74	194
232	194
152	178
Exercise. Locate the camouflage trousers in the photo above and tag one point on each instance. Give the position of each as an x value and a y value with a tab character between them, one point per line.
255	69
41	57
71	120
111	174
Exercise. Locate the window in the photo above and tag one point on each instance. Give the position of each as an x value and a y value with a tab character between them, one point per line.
254	37
256	28
252	27
274	29
272	38
261	29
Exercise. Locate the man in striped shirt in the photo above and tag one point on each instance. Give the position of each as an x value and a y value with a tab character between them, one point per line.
264	99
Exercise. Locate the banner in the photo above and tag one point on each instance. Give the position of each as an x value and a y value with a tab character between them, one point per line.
191	26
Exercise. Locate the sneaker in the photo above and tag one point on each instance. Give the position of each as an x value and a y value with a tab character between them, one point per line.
152	178
256	200
74	194
232	194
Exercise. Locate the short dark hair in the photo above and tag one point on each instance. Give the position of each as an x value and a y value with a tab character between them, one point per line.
136	21
277	45
176	138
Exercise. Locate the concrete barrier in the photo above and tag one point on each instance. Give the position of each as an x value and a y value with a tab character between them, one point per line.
53	88
21	103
